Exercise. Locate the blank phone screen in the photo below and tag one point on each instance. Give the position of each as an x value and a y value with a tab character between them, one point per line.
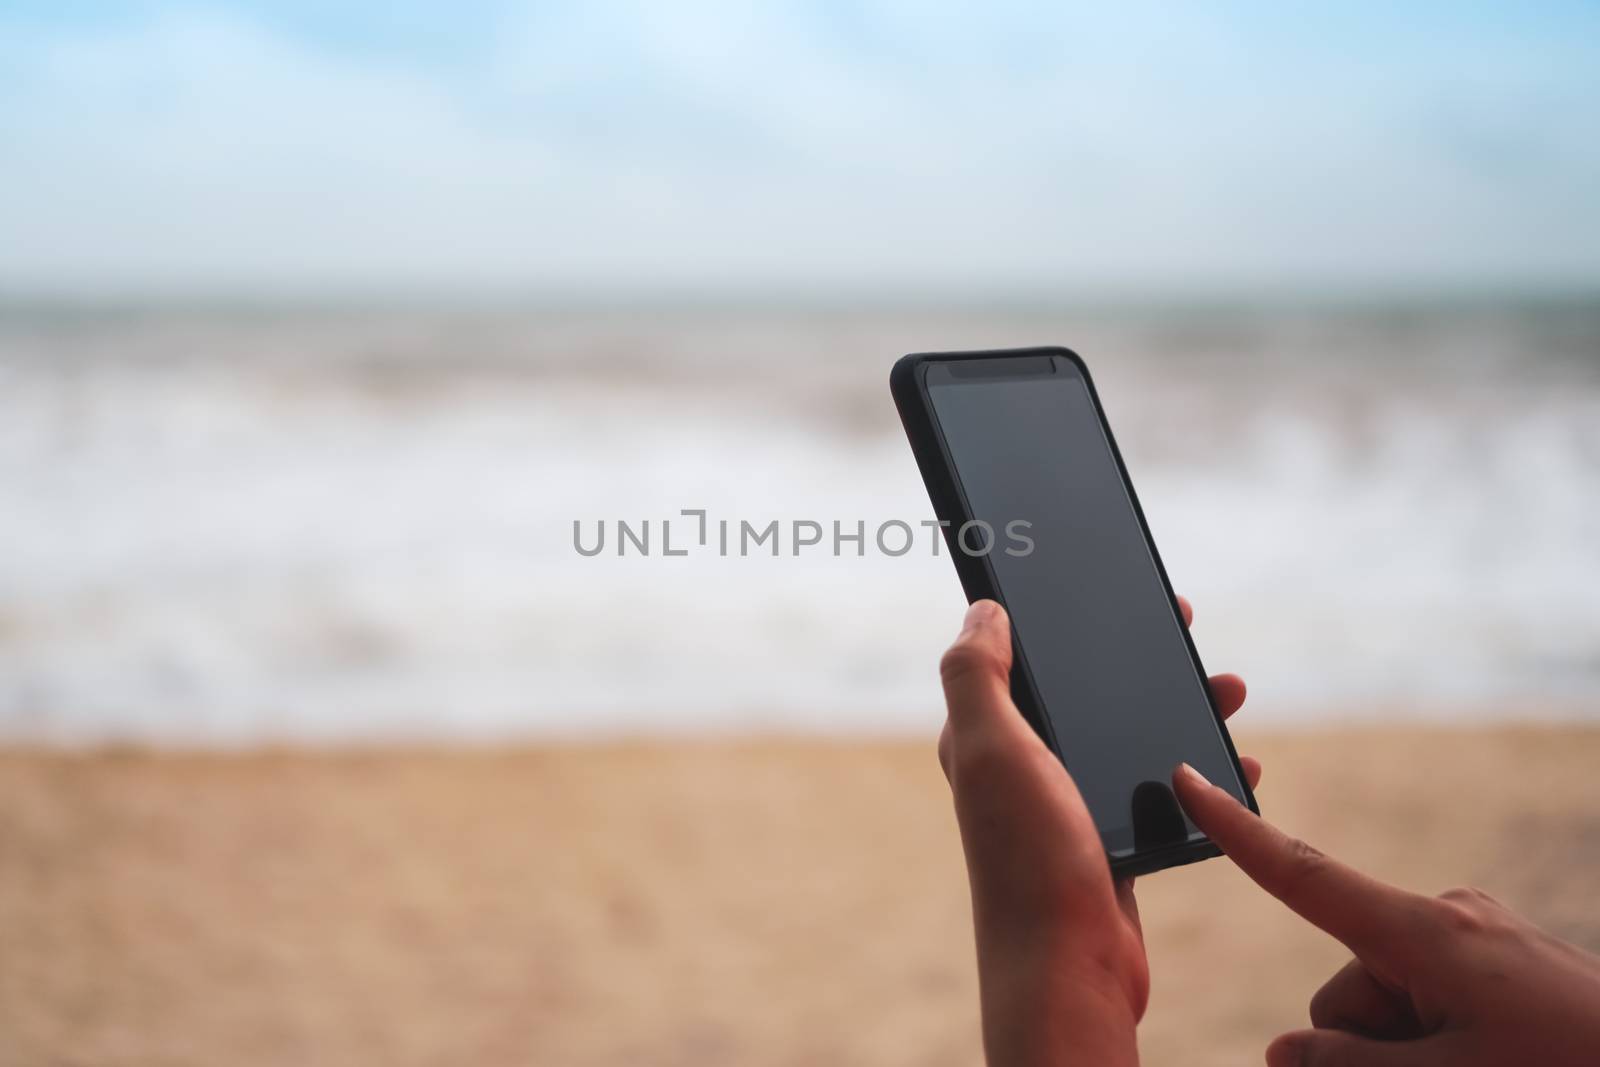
1094	625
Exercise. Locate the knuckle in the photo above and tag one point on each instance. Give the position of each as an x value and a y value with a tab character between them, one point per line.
1469	910
1303	864
1459	911
1470	896
980	764
968	660
1322	1010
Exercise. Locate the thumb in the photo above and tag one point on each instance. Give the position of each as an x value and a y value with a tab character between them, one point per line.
976	671
1336	1048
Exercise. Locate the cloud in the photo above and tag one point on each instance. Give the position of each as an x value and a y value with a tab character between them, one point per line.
634	144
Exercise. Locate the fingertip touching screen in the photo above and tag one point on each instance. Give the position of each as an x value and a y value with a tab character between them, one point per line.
1102	647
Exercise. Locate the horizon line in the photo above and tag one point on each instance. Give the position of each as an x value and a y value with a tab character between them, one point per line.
778	297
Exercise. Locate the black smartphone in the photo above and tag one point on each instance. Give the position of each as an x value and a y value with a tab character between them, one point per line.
1039	514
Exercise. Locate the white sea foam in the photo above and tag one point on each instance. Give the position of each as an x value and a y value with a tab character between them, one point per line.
230	529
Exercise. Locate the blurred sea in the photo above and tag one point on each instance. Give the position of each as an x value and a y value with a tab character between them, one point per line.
226	525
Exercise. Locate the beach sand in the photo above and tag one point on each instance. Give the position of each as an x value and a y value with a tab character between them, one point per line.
761	902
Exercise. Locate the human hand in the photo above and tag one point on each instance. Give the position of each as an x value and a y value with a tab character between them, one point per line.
1061	964
1455	980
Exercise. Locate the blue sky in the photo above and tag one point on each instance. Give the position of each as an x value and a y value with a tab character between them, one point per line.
882	147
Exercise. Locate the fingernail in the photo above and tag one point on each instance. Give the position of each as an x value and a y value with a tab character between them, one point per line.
1193	775
976	613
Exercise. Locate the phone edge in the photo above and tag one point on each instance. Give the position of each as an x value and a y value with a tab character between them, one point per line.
908	389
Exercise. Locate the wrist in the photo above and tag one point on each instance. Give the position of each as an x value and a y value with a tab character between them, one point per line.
1043	1010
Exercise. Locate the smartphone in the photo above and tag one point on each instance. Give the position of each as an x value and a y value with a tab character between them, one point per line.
1039	514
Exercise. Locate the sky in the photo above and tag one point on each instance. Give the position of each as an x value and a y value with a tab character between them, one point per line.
885	147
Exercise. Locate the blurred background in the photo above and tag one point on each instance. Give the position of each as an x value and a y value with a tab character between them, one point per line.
321	325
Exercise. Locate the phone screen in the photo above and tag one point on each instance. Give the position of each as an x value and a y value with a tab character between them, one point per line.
1099	636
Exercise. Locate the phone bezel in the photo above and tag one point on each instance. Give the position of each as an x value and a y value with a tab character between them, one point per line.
908	384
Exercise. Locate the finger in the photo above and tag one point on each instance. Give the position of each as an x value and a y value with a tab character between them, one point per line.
1187	609
1373	919
1355	1001
1012	793
1252	770
1228	691
976	670
944	751
1335	1048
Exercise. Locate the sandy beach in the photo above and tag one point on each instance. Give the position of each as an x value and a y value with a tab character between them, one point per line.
756	902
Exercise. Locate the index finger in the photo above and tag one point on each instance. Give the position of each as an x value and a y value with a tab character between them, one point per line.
1372	918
